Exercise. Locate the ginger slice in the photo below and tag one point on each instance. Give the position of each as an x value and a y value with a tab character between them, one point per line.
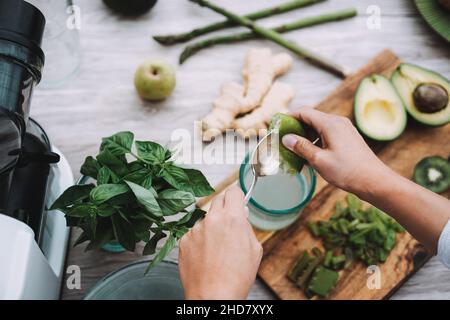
276	101
260	70
226	107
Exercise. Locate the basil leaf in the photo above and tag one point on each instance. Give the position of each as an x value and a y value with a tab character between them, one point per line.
173	201
180	232
151	151
83	211
105	192
165	250
103	175
124	217
119	143
160	184
191	218
72	195
72	221
105	210
176	177
142	177
143	215
122	200
146	198
200	186
115	164
142	229
123	232
135	166
90	167
92	225
150	247
103	235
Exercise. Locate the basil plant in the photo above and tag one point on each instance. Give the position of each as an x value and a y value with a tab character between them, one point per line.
131	199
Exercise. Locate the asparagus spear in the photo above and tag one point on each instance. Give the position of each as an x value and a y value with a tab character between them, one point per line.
277	38
282	8
192	49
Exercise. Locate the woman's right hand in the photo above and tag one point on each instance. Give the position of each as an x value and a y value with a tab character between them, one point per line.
345	160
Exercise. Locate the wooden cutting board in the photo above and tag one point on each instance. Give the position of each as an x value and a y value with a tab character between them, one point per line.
282	248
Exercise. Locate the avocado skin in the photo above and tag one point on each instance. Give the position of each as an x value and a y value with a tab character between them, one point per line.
421	173
130	7
291	162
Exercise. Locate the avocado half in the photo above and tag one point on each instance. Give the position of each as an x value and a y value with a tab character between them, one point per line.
408	79
378	110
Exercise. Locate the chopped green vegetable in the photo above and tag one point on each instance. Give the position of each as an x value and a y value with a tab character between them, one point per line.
323	281
338	262
299	266
351	234
353	202
314	228
311	273
302	281
354	228
328	257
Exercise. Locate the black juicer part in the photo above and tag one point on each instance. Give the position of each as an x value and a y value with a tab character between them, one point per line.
27	197
25	151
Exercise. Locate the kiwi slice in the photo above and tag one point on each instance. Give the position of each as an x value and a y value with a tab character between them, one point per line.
433	173
285	124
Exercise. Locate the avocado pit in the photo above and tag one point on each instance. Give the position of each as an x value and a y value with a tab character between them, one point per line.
430	97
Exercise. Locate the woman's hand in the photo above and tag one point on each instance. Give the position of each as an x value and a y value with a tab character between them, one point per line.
347	162
345	159
220	256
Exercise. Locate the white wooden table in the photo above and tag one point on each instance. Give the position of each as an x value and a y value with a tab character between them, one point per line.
101	100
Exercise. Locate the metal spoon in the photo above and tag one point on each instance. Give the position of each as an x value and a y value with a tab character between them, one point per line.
256	165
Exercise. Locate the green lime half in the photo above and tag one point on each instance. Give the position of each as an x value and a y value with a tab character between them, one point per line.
285	124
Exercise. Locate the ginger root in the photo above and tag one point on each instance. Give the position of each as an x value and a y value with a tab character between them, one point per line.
276	100
260	70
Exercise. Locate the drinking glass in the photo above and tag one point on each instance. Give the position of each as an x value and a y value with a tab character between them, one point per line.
278	200
60	43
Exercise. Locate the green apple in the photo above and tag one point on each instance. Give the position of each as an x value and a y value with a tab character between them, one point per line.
154	80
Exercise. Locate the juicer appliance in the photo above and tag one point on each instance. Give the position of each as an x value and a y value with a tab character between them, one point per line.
33	240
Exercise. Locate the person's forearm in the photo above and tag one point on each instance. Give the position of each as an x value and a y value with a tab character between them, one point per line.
421	212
